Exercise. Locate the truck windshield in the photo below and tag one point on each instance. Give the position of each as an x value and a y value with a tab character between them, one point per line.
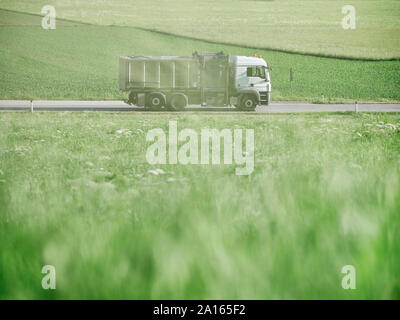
256	72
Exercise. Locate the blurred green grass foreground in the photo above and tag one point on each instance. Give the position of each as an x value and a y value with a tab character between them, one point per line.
76	192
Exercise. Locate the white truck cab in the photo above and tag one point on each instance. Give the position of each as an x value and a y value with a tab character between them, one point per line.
251	76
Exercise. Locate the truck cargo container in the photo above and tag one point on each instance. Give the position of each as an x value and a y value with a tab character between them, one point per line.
207	79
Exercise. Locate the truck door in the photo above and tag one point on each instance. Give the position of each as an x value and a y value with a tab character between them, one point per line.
250	76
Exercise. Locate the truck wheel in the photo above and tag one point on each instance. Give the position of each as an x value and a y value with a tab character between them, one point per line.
248	103
133	98
155	101
178	101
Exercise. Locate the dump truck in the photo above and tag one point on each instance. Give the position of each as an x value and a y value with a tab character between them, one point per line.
206	79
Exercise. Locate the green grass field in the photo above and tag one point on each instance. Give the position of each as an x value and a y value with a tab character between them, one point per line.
78	61
312	26
76	193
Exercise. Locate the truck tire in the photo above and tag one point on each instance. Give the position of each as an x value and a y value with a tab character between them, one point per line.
248	103
132	98
178	101
155	101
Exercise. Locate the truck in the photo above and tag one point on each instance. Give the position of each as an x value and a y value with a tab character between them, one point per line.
205	78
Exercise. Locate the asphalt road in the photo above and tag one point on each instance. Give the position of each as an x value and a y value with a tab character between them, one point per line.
275	107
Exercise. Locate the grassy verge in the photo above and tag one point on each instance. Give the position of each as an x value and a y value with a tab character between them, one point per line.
78	61
76	193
